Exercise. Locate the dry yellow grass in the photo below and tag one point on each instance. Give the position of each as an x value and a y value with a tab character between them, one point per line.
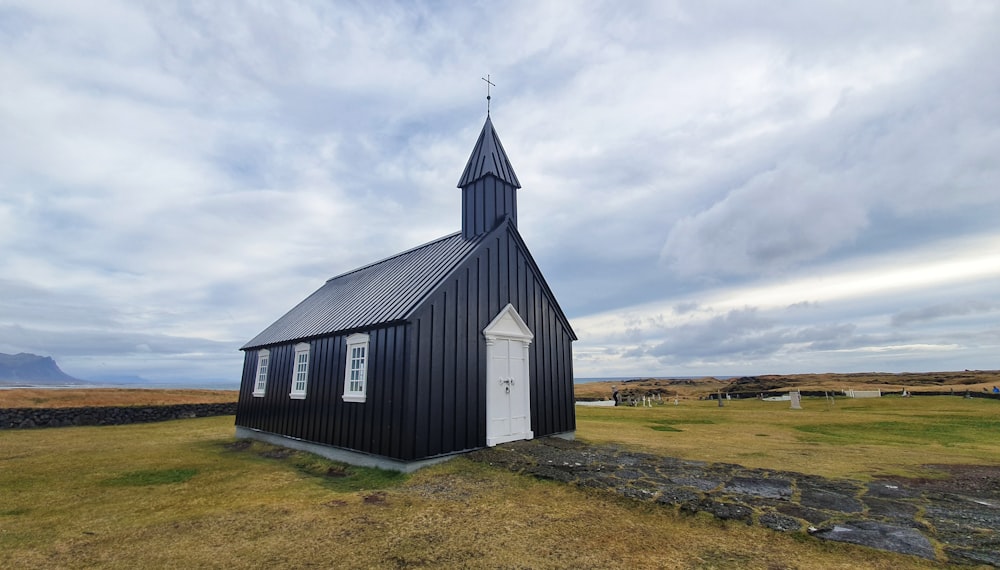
82	397
65	507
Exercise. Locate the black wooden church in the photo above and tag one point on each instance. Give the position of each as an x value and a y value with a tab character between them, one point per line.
448	347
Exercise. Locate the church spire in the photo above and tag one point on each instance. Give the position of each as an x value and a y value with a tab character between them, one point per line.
489	185
488	157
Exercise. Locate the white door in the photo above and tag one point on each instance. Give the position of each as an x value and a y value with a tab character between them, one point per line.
508	395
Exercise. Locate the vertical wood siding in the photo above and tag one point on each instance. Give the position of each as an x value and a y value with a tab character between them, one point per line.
448	356
485	203
323	417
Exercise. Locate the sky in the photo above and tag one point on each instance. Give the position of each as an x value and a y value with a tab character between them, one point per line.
710	188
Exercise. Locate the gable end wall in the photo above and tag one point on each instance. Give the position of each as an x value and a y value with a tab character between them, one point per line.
446	399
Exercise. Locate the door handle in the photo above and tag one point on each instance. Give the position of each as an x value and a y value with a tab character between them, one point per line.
506	382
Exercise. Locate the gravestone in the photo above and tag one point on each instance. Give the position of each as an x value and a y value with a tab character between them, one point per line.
796	399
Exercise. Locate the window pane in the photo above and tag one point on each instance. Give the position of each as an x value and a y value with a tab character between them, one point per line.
357	365
262	374
301	372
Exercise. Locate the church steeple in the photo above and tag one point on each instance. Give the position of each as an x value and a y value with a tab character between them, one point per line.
489	185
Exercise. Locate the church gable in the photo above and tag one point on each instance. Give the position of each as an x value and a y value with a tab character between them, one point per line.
500	271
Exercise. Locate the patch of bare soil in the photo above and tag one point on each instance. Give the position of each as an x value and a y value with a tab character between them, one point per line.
448	487
377	498
239	445
277	453
337	471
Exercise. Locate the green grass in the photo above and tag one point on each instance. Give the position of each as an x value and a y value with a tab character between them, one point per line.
945	431
182	494
860	438
668	425
151	477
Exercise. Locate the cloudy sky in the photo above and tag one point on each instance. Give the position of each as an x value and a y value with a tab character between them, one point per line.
711	188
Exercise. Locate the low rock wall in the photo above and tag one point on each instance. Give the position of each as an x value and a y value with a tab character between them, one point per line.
21	418
839	394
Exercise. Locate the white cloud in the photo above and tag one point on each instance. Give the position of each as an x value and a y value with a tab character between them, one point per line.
778	219
176	176
842	309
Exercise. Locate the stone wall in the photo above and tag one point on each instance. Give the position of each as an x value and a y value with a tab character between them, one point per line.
19	418
840	394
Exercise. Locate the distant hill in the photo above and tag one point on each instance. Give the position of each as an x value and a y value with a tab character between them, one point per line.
888	382
31	369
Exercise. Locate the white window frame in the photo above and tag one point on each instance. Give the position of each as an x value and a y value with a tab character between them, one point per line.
300	372
260	375
356	385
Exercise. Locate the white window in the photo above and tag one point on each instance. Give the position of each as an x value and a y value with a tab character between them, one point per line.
300	372
355	378
260	385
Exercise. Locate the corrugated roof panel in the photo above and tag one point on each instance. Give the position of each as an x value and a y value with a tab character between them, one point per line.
378	293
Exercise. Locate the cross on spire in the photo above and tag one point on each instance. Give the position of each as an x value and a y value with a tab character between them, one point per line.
488	85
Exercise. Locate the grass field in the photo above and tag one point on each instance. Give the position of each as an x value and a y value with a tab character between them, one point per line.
180	494
855	438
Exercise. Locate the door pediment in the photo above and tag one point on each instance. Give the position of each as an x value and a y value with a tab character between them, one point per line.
508	324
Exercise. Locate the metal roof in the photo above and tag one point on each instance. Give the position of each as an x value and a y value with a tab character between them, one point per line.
382	292
488	157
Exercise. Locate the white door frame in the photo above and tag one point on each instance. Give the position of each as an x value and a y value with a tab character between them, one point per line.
515	400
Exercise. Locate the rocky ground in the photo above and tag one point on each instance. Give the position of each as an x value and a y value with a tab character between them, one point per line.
955	518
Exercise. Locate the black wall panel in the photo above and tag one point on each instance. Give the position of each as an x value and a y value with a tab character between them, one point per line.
323	416
485	203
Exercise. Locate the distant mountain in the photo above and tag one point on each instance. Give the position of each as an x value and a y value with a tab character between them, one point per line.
31	369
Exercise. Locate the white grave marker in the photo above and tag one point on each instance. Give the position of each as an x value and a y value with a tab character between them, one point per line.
796	399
